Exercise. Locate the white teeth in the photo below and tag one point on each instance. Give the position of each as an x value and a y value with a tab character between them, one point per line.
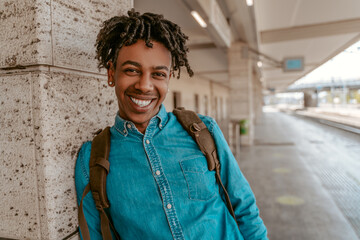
140	103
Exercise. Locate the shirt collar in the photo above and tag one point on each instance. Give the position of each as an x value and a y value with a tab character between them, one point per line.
125	126
162	116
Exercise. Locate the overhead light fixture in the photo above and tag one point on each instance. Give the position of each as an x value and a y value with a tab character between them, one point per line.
199	19
259	64
250	2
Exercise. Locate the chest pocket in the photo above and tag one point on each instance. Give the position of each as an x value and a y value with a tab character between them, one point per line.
200	181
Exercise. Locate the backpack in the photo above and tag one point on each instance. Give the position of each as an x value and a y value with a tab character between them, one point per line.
99	168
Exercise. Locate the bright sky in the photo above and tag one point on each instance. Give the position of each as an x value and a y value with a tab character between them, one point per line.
345	66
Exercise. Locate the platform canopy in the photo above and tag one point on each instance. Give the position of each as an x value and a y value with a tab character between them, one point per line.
274	30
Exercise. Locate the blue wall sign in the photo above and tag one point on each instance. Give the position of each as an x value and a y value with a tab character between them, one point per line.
293	64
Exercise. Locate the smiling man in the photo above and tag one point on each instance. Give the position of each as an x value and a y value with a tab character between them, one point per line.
141	80
158	184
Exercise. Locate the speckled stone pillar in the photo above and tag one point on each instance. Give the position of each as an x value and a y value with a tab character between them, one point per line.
52	99
242	91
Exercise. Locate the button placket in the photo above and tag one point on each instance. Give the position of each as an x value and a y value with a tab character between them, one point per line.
163	184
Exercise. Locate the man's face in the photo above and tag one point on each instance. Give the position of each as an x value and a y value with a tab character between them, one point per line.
141	81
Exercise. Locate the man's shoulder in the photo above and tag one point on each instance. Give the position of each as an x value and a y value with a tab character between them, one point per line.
85	147
209	121
82	170
84	154
204	118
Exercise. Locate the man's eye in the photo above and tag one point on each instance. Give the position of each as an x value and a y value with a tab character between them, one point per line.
131	71
159	75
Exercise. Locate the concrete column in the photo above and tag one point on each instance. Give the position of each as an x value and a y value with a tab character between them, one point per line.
52	98
242	92
310	98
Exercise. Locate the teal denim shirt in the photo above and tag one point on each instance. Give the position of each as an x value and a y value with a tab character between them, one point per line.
159	186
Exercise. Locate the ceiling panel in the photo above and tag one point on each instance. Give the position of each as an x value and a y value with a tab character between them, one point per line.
315	49
274	14
316	30
208	60
320	11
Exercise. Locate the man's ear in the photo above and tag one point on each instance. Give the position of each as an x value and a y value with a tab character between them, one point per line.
110	73
172	74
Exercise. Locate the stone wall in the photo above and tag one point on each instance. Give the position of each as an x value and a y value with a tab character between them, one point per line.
52	98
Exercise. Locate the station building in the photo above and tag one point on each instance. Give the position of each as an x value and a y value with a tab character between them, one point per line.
53	96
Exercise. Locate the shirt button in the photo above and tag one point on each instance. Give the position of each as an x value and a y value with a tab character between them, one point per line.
147	141
157	172
169	206
128	125
160	126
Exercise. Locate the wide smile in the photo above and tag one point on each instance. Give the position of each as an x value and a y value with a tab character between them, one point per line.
141	103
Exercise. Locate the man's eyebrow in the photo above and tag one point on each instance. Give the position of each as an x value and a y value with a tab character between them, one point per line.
136	64
161	68
131	63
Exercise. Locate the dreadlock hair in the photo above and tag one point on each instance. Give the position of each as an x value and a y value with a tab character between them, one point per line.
125	30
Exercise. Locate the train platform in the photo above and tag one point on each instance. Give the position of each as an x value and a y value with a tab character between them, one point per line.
305	176
347	116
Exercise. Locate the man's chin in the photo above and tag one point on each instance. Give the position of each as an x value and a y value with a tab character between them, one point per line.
142	117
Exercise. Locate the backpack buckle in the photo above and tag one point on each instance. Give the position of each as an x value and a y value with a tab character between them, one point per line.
195	128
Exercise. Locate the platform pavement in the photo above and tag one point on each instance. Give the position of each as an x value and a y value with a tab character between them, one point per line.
292	200
347	116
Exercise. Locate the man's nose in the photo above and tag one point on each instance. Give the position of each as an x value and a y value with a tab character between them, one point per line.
144	83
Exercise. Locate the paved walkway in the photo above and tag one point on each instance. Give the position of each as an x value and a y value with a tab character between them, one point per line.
305	177
348	116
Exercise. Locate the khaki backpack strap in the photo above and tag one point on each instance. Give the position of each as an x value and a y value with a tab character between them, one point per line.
105	225
99	168
199	132
104	221
82	221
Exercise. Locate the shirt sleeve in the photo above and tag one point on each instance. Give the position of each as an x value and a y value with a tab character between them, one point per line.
241	196
92	215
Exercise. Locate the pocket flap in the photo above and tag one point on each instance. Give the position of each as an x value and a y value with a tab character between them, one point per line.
194	165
